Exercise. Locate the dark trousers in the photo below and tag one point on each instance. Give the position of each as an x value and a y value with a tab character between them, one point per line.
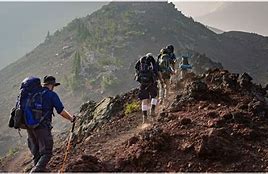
148	91
40	143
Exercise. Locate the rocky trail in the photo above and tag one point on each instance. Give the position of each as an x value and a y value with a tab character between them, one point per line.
217	123
16	162
104	143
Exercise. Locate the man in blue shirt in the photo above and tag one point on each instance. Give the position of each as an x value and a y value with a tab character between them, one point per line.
40	140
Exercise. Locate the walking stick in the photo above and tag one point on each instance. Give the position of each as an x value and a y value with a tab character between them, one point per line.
68	147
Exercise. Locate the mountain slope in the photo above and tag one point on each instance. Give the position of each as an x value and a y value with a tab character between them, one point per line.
94	56
215	30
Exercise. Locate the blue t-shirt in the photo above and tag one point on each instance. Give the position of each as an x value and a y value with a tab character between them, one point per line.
51	100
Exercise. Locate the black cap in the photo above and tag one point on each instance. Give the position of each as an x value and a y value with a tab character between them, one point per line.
170	48
50	80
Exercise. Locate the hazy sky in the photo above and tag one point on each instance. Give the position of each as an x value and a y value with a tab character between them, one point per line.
24	25
229	16
196	9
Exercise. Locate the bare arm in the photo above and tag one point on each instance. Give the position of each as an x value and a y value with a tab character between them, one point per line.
67	115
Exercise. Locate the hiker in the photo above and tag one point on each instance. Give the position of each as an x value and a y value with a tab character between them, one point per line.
172	56
36	104
146	73
184	66
165	71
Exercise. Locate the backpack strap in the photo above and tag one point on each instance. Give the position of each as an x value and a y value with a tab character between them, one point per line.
19	132
42	93
47	113
46	90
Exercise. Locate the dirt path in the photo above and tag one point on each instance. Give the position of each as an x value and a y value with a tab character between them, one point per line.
17	162
105	144
121	138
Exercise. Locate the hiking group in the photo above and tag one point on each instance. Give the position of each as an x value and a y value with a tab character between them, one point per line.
151	73
36	101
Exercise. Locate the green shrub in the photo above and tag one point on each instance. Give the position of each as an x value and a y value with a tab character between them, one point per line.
105	61
12	151
109	82
132	107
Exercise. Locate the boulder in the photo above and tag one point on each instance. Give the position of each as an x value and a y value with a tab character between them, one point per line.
230	80
93	115
197	89
85	163
244	80
258	108
186	121
217	145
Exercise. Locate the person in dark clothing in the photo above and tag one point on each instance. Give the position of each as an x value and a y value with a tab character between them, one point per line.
170	49
147	74
165	71
40	140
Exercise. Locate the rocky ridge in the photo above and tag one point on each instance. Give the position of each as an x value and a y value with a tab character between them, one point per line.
217	123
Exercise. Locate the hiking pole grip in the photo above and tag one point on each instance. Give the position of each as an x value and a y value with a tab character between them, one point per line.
73	124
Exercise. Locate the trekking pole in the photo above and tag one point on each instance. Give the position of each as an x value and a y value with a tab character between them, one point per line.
68	148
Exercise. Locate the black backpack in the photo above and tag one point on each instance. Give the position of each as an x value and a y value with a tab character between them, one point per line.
164	64
145	74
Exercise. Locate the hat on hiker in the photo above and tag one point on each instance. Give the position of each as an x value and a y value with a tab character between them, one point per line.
170	48
50	80
184	56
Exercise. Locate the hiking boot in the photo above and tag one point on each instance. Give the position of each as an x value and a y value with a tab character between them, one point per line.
144	119
152	113
37	169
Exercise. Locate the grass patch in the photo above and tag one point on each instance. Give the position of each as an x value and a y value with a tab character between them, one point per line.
12	151
132	107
